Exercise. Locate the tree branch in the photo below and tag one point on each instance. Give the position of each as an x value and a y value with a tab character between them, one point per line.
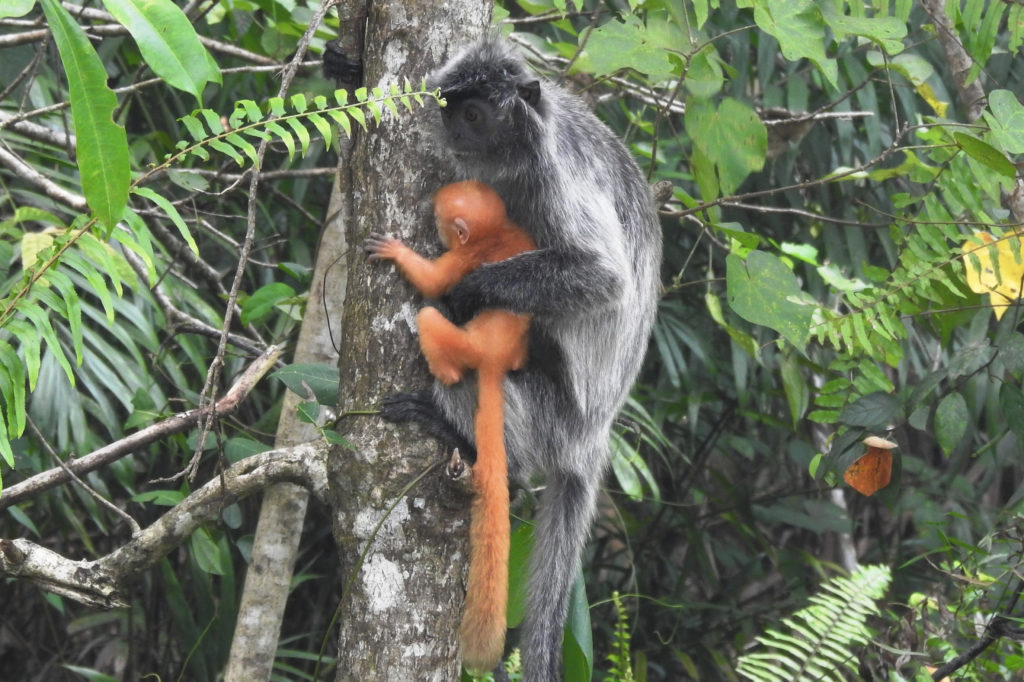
999	626
100	582
176	424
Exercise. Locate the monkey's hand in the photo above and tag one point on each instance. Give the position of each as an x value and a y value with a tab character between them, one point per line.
382	247
339	66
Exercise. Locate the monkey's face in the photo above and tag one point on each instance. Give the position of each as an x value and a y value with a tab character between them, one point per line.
472	124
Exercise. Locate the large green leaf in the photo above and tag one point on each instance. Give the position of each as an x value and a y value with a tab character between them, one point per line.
321	379
168	43
800	30
731	136
102	147
630	44
764	291
15	8
1006	121
885	31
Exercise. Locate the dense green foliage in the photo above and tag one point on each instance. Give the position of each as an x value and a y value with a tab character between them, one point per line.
830	174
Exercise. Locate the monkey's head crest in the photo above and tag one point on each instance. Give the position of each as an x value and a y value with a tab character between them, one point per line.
491	68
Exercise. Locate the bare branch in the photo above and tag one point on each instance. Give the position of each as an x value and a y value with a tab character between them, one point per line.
52	189
176	424
100	582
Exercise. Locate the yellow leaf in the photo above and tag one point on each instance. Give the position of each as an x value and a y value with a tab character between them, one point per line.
31	244
937	105
1000	280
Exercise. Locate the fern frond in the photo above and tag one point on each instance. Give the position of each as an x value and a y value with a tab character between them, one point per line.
288	121
622	666
821	640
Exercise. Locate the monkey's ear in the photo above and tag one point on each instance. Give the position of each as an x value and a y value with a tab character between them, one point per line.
461	230
530	92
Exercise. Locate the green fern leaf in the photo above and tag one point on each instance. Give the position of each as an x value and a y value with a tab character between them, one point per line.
358	116
822	639
284	136
341	118
194	127
300	132
241	143
275	105
324	128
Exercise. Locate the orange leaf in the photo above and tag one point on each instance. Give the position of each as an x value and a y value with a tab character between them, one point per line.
871	472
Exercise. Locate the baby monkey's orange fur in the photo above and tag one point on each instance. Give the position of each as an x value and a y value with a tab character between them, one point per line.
472	224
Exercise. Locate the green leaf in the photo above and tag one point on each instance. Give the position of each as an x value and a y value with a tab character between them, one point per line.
196	130
207	552
226	149
800	29
873	411
241	143
168	43
164	498
30	342
323	127
16	8
102	145
88	270
358	116
342	120
627	44
795	386
172	213
308	412
300	132
1006	120
883	30
321	379
263	301
731	136
73	309
985	154
578	643
41	321
12	381
950	421
1011	401
284	135
518	573
762	290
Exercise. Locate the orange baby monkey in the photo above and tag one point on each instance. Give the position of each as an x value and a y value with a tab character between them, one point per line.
472	224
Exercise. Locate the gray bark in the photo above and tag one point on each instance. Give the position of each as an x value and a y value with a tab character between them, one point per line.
276	543
403	600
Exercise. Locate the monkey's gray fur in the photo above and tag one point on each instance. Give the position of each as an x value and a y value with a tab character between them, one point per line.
592	287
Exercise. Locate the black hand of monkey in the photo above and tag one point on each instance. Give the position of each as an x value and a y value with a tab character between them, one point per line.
466	298
337	65
377	246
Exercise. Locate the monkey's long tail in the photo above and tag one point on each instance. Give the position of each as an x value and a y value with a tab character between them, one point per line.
483	623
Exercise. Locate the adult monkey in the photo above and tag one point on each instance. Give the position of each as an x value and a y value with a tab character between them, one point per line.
591	287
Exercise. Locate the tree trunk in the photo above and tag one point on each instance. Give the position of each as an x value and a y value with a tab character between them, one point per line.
276	542
403	600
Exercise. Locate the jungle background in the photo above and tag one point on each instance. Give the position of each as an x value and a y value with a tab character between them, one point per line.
841	262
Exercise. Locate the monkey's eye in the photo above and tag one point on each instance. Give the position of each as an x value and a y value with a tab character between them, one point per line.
471	114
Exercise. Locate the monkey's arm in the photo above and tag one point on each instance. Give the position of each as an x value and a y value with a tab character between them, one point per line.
541	282
431	278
